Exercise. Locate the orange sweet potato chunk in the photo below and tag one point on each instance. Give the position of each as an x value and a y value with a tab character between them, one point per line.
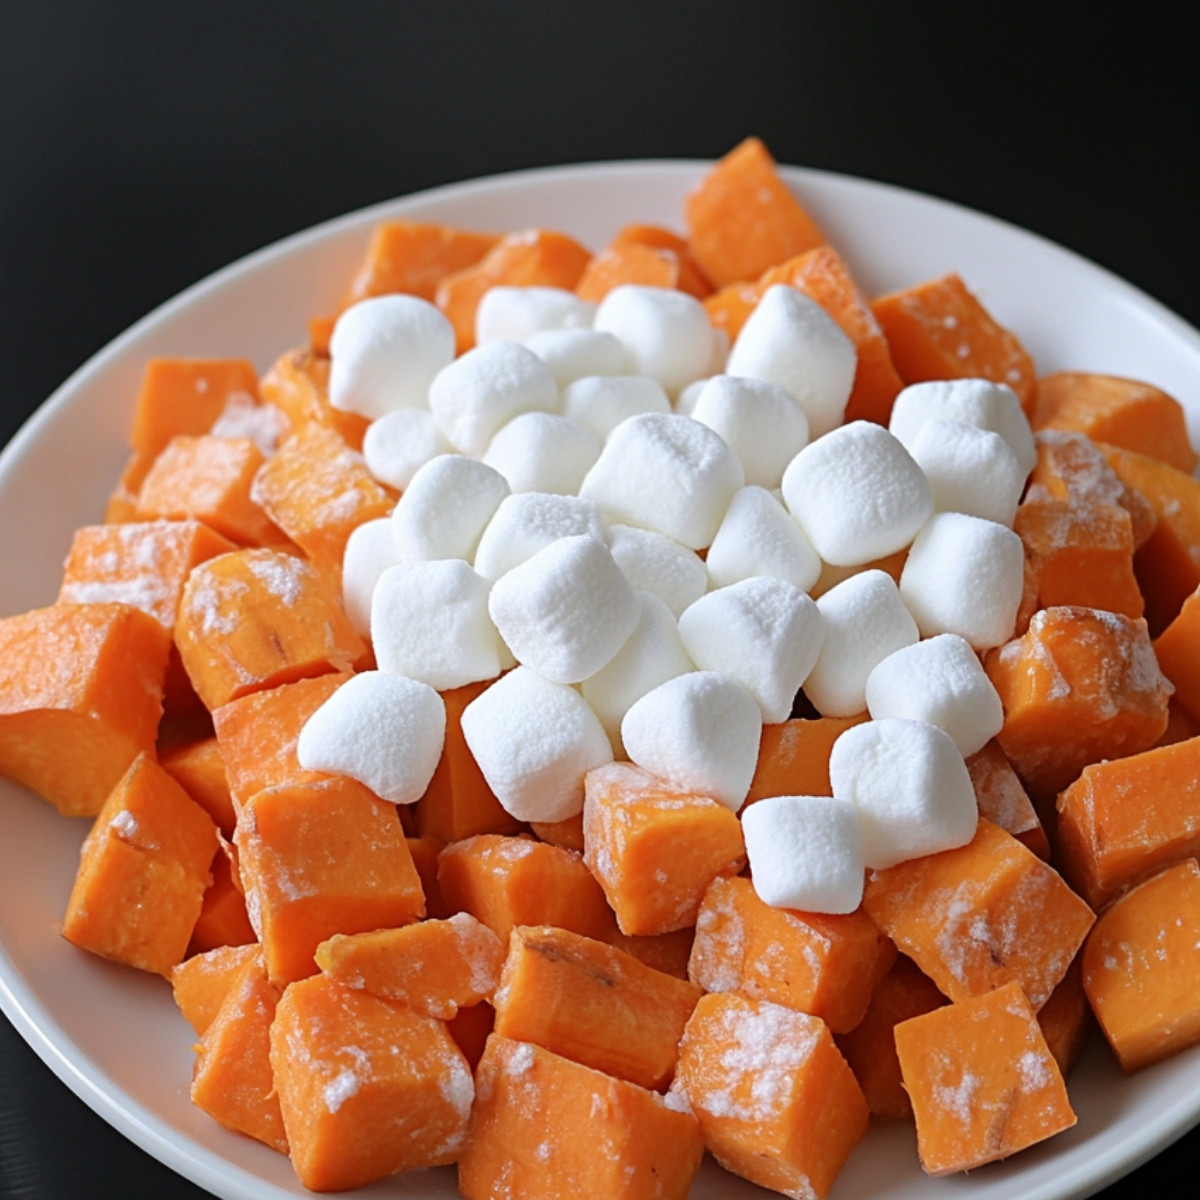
629	262
425	851
81	689
982	915
940	330
298	385
200	983
223	919
366	1087
1066	1018
1178	651
824	964
318	859
592	1003
143	870
691	279
793	757
666	952
1140	968
633	827
776	1101
199	768
1003	800
546	1127
982	1080
741	217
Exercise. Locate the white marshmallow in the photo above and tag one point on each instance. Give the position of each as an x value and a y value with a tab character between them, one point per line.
399	443
543	452
516	313
385	731
964	575
601	402
445	508
566	610
910	786
528	522
791	341
429	621
940	681
686	400
970	470
759	421
805	852
977	402
665	472
857	494
651	655
485	388
385	352
534	741
653	562
699	731
765	633
370	550
666	333
573	353
758	537
865	621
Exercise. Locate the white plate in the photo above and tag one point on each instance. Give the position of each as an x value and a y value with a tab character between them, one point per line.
112	1034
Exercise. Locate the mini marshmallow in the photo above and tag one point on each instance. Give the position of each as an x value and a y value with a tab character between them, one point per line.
940	681
385	731
534	741
528	522
857	494
765	633
970	470
653	562
758	537
698	731
566	610
686	400
370	550
601	402
543	452
573	353
865	621
668	473
977	402
445	508
396	445
666	333
385	352
429	621
652	654
910	786
516	313
791	341
759	421
964	575
485	388
805	852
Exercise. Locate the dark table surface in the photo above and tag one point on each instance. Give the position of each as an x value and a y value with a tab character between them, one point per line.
143	146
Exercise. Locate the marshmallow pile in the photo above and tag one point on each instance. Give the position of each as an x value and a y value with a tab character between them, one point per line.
653	541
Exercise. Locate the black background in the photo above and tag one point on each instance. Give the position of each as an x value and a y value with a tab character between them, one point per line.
142	146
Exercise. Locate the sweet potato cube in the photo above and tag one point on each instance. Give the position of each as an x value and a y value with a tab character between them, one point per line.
318	859
741	217
122	500
1141	970
1123	819
776	1101
547	1128
666	952
298	385
471	1027
982	915
1079	685
232	1079
629	262
425	851
793	757
81	689
592	1003
633	827
257	619
199	768
366	1087
435	967
567	833
200	983
819	963
143	870
983	1082
729	308
1003	800
507	881
940	330
223	919
691	279
1178	651
1066	1018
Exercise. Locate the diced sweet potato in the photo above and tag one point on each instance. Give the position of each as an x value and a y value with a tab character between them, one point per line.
691	279
666	952
567	833
298	385
1002	799
1066	1018
1178	651
471	1027
793	757
200	983
630	262
199	768
223	919
425	851
122	500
